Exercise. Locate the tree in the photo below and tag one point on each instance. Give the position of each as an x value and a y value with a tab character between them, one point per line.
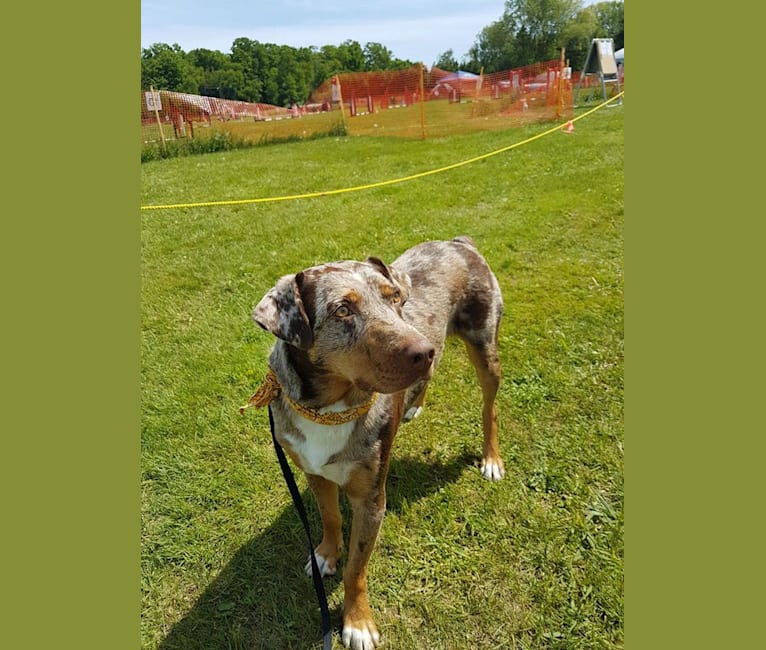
578	35
540	26
167	67
221	77
611	21
249	56
294	75
447	61
531	31
208	60
351	56
602	20
496	47
377	57
326	63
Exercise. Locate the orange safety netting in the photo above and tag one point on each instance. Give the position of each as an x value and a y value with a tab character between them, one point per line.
439	102
414	102
176	115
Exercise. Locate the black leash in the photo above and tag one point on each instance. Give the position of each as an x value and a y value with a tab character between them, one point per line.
318	584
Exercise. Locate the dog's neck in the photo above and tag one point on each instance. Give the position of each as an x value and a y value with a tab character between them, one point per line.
310	384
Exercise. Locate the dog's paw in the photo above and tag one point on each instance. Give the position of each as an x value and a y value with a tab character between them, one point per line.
412	413
492	470
359	631
361	638
327	566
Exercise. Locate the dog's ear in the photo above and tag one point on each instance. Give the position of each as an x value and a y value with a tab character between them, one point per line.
399	278
404	282
281	312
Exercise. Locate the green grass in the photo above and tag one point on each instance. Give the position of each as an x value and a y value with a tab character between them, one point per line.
535	561
239	134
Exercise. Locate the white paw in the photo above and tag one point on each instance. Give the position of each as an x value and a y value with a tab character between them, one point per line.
357	639
412	413
324	566
492	471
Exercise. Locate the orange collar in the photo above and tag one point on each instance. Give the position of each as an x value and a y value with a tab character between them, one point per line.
270	389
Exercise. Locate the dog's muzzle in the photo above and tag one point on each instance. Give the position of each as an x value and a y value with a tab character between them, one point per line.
420	356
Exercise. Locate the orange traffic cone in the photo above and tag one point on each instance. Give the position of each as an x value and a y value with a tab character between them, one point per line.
569	128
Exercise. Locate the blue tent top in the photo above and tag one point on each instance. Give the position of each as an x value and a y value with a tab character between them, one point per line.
459	75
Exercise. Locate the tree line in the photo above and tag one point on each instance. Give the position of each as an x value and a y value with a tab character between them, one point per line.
529	31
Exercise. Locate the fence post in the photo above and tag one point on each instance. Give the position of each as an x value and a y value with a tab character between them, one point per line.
340	99
159	121
422	102
479	83
560	102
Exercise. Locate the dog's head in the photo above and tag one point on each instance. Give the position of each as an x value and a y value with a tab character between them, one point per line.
347	318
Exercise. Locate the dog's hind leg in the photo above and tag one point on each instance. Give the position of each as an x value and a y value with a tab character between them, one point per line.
485	359
330	548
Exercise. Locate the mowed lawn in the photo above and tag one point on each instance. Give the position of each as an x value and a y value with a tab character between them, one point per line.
533	561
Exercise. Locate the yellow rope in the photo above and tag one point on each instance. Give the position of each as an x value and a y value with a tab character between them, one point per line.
358	188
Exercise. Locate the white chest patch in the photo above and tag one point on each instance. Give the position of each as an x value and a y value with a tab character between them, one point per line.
321	442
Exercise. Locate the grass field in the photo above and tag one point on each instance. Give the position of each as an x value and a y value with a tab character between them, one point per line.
534	561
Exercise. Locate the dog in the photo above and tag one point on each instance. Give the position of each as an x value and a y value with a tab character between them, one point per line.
357	343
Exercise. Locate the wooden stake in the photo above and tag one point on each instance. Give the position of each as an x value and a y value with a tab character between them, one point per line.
422	102
159	121
479	83
560	102
342	112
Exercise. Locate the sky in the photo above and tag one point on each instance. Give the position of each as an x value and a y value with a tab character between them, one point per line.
415	30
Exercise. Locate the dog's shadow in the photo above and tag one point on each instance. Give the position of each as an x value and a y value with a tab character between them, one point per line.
263	599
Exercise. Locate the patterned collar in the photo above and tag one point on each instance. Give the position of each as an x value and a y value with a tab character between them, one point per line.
270	389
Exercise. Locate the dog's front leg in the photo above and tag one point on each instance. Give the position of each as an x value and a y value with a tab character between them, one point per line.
329	550
366	492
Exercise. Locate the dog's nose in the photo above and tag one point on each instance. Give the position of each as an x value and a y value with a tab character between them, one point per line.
421	354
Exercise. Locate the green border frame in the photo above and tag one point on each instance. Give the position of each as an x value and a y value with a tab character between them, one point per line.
71	473
693	349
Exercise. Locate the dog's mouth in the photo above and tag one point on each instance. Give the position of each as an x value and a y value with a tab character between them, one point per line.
399	370
388	385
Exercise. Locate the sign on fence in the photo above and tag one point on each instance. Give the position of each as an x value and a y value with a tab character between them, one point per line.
153	102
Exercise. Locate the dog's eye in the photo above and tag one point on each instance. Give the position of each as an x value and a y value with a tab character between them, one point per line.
342	311
396	298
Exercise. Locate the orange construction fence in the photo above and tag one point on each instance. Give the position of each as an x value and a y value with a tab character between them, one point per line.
417	102
414	102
